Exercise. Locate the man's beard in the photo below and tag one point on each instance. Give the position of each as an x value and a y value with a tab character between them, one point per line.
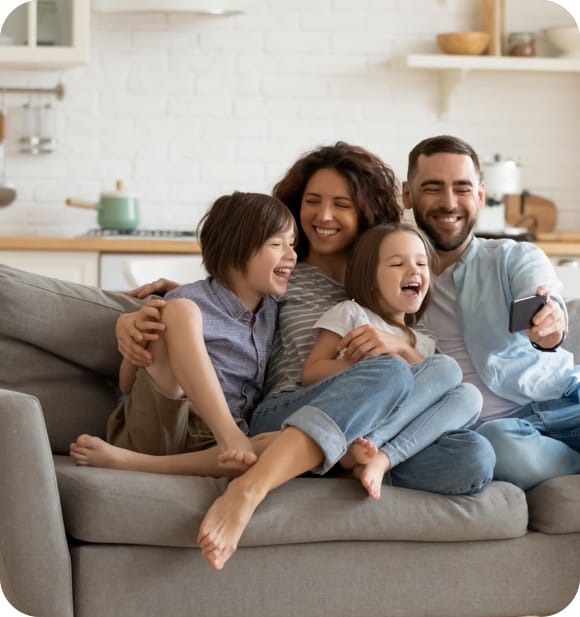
442	244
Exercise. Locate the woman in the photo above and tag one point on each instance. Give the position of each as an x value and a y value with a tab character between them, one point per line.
335	193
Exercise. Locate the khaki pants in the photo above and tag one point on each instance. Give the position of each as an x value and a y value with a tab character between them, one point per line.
147	421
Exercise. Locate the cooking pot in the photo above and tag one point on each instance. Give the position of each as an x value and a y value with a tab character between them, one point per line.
116	210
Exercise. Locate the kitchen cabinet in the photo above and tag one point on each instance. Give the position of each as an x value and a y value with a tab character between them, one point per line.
453	70
107	262
46	34
77	267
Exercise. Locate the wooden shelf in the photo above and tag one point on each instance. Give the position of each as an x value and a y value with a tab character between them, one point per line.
454	69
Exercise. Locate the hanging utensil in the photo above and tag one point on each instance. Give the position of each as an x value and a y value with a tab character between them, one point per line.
7	191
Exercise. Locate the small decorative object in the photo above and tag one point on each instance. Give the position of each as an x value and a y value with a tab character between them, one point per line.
521	44
566	39
463	43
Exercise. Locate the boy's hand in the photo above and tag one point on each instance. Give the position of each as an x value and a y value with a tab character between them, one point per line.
549	322
158	287
135	330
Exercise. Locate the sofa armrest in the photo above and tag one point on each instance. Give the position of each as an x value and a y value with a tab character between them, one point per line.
35	567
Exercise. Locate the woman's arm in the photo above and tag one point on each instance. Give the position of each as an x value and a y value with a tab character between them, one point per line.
158	287
367	342
322	361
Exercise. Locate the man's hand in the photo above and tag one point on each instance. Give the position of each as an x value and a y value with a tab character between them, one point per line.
549	322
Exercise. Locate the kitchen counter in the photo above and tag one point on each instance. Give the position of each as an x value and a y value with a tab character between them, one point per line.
560	243
557	243
100	244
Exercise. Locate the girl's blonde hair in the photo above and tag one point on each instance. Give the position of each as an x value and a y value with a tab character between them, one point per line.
360	281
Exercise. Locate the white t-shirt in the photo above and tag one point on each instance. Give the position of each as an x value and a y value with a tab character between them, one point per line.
343	317
441	321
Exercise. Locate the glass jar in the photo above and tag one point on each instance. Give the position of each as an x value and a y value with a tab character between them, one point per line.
521	44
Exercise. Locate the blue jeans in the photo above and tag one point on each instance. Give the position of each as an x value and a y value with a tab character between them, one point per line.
540	442
337	410
439	403
359	401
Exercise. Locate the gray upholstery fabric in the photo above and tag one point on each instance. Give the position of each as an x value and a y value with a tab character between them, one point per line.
109	506
58	344
33	545
554	506
533	575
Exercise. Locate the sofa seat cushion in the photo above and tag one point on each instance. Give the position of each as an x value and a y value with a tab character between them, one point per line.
111	506
554	505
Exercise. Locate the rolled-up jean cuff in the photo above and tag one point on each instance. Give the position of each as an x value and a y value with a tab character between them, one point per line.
323	430
395	457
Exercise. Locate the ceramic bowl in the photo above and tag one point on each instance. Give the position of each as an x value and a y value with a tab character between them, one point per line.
463	43
566	39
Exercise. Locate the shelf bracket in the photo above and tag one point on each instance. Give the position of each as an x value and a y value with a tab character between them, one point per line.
449	81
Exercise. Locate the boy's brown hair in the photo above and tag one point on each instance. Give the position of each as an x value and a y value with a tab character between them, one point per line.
360	282
237	226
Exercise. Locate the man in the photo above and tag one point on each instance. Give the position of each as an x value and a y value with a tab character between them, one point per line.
531	410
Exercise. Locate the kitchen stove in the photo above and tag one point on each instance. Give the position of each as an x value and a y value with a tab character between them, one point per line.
143	233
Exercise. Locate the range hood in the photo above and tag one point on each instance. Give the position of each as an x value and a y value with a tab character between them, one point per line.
203	7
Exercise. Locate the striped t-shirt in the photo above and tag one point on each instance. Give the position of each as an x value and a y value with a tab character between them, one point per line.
310	293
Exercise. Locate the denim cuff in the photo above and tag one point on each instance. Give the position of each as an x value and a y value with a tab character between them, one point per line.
395	456
323	430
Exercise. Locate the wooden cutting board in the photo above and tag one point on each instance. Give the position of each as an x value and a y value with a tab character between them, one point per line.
537	214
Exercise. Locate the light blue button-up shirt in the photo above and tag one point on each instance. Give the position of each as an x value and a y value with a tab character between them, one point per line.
488	276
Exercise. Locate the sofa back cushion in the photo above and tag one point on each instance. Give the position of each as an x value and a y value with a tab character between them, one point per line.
58	344
572	342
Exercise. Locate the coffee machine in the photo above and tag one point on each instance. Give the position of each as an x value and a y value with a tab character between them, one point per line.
509	210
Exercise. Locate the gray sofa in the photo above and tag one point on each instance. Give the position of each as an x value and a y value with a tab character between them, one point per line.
102	543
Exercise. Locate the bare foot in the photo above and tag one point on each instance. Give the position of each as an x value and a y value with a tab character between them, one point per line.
235	442
360	452
225	521
94	452
234	462
371	475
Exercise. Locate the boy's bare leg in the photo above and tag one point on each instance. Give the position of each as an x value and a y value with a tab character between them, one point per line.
181	364
290	454
92	451
372	473
360	452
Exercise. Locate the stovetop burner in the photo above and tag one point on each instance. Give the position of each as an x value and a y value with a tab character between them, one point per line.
143	233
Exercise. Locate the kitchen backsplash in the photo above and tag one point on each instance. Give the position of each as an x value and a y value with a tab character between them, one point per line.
184	107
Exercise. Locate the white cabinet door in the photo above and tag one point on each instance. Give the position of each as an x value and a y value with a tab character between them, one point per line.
73	266
44	34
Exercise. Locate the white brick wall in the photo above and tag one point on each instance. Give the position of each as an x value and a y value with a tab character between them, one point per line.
184	108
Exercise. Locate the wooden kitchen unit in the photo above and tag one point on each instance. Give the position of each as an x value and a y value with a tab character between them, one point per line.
80	259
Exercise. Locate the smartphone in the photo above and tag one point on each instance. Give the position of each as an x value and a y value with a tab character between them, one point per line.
522	311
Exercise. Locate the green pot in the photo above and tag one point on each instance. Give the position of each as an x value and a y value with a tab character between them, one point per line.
116	210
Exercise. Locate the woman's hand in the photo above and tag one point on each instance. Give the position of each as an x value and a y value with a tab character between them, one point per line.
158	287
136	330
549	322
368	342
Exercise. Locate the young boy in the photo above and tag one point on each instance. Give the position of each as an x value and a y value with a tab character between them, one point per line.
210	349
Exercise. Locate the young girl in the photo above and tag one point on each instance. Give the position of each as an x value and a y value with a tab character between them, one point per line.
388	280
221	326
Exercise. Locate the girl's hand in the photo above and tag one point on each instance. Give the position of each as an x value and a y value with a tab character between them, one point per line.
367	342
549	323
135	330
158	287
